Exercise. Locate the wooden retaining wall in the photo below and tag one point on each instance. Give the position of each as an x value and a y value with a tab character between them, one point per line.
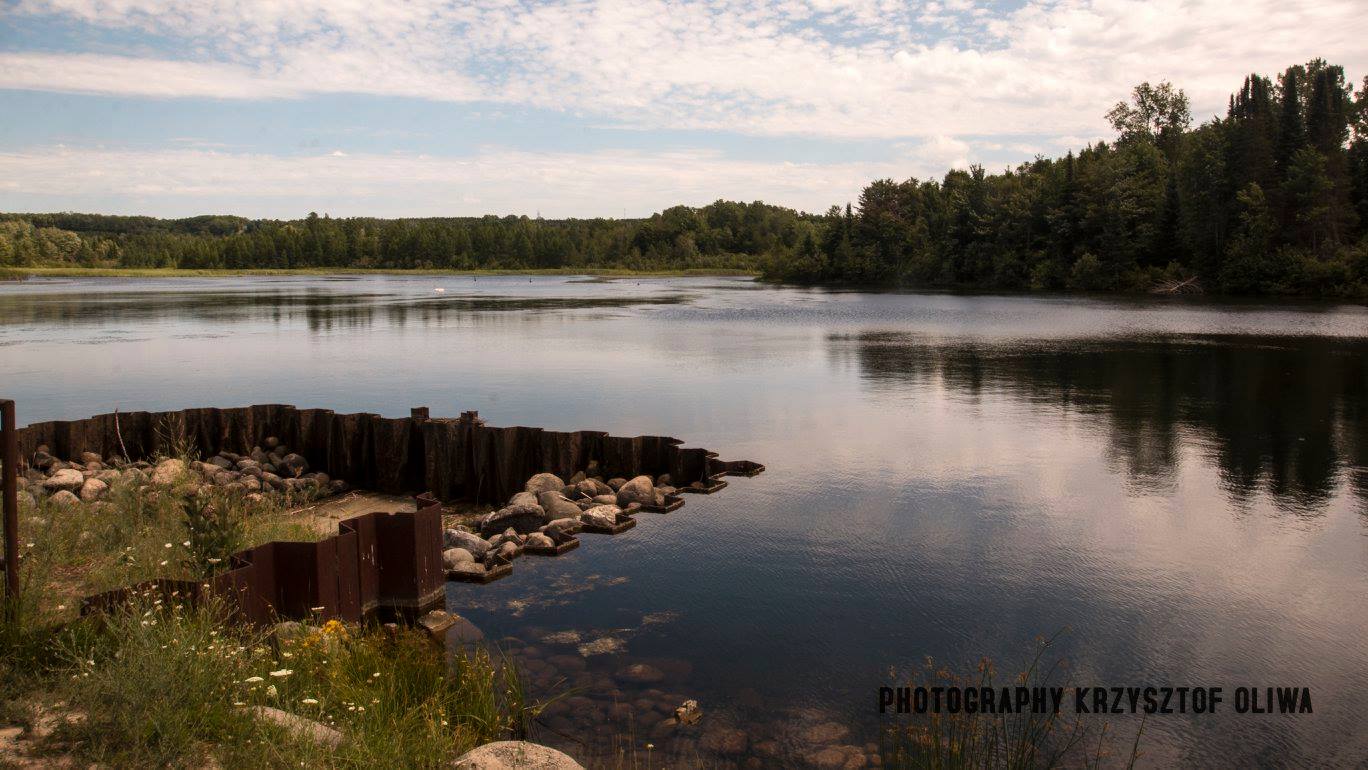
454	459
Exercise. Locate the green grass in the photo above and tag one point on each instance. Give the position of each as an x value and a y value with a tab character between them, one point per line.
164	684
103	272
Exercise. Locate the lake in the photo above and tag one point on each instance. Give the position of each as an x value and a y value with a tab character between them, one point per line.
1176	491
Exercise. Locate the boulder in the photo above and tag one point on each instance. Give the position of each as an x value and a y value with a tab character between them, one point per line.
338	486
601	515
273	481
539	540
65	480
616	483
168	472
259	457
91	457
557	506
577	478
523	498
515	755
292	464
664	480
477	546
544	482
64	498
271	442
520	518
93	489
454	558
562	529
221	462
604	499
298	727
509	550
638	490
640	673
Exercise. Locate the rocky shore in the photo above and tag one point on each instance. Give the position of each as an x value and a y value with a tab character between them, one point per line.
547	513
266	470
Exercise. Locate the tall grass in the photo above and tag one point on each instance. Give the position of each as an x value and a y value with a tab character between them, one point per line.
997	741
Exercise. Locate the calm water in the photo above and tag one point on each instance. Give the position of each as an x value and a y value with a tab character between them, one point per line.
1181	489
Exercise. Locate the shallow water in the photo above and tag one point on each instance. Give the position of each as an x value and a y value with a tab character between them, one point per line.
1177	489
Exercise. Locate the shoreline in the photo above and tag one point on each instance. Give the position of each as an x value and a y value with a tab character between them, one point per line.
20	273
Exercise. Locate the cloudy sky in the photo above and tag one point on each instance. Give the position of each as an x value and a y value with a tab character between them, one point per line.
583	107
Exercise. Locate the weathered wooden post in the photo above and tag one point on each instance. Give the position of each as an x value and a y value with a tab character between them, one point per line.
9	454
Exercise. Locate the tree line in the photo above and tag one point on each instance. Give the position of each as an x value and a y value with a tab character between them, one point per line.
1271	198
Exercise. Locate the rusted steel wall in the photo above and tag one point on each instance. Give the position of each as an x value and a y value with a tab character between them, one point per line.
452	458
384	565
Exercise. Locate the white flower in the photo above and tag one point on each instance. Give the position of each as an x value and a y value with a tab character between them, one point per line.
162	563
271	691
186	544
310	701
254	679
282	673
168	545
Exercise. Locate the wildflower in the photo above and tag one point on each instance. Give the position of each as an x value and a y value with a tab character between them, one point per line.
254	679
281	673
239	703
61	607
287	654
168	545
376	675
213	560
272	691
363	708
186	544
310	701
162	563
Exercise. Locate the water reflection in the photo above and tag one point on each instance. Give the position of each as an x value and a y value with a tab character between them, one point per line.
1278	414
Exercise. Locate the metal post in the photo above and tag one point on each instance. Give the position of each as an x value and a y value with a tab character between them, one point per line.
10	449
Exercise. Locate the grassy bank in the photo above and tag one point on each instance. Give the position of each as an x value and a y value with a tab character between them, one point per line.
19	273
165	684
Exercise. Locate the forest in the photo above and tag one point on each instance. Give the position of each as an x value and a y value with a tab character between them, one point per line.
1269	199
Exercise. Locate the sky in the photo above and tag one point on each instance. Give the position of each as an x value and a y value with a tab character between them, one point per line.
584	108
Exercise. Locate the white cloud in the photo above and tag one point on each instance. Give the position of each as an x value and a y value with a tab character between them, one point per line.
494	180
861	68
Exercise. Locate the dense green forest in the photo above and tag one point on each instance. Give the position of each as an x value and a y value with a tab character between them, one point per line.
1272	198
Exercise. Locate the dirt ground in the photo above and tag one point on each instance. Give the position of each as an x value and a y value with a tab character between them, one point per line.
325	514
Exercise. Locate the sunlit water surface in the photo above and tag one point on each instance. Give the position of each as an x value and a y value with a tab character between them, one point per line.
1178	490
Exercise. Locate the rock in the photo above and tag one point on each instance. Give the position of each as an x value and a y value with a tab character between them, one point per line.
577	478
523	498
259	457
638	490
604	499
725	740
93	489
520	518
640	673
544	482
616	483
557	506
477	546
135	476
826	732
509	550
688	712
539	540
271	442
273	481
108	476
587	488
168	472
561	530
338	486
830	757
91	457
457	558
299	727
515	755
292	464
65	480
665	490
64	498
601	515
250	483
664	480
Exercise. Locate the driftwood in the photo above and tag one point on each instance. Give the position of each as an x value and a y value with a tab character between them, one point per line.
1184	286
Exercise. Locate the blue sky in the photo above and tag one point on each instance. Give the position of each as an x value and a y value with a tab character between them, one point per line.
584	107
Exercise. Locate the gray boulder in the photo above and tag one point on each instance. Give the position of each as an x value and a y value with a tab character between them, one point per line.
292	464
561	529
221	462
168	472
638	490
93	489
477	546
616	483
453	558
523	498
515	755
65	480
557	506
601	515
544	482
539	540
64	498
604	499
509	550
520	518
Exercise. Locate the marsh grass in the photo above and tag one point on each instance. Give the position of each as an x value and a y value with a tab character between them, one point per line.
1019	741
